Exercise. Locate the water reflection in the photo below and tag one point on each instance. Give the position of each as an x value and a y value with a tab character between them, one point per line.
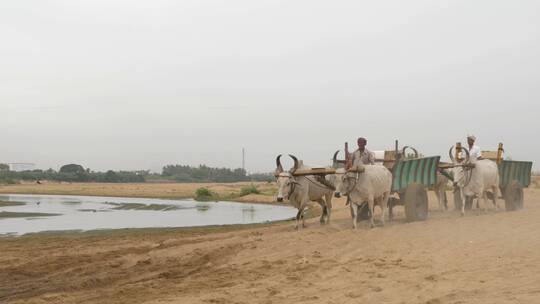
203	207
248	213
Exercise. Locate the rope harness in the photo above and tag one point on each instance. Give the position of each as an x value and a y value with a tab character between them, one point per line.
354	185
293	187
467	174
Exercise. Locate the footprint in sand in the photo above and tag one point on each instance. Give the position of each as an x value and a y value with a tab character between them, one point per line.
353	295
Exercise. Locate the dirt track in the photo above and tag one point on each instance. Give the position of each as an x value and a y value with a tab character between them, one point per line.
491	257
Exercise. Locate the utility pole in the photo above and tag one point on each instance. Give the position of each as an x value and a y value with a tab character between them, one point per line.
244	159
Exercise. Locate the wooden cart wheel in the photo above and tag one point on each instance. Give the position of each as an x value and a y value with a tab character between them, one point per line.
513	196
416	202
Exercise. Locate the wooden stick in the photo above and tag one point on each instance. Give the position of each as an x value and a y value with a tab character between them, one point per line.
500	153
314	171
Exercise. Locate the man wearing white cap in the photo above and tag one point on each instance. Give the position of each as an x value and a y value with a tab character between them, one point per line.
474	150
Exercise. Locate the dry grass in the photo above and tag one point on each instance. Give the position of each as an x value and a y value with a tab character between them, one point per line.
148	190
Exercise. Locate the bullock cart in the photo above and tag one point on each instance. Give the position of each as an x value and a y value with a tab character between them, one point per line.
514	176
412	176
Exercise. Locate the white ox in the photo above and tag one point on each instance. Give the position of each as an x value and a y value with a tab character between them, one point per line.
301	190
372	185
476	181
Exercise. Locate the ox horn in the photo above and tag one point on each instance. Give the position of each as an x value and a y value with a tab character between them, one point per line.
452	158
295	163
335	156
468	155
279	167
409	147
337	161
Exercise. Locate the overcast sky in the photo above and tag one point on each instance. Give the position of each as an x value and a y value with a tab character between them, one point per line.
141	84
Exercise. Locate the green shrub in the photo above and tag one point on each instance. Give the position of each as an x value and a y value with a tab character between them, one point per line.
72	168
249	190
8	181
203	194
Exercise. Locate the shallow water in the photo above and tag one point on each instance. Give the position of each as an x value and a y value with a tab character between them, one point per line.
90	213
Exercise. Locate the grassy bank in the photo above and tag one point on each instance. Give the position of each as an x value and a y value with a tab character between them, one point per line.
244	192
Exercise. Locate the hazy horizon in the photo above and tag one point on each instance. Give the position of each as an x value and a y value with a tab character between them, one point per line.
142	84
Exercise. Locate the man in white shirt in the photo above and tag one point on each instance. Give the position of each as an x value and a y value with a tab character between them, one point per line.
362	156
474	150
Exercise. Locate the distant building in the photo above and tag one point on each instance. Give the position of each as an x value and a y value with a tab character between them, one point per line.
18	167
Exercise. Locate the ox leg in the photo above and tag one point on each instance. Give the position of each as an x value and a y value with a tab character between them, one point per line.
371	202
443	200
324	213
298	216
485	198
354	214
494	198
384	205
463	203
328	200
390	205
303	219
439	198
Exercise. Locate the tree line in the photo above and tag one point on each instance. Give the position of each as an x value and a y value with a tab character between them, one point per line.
170	173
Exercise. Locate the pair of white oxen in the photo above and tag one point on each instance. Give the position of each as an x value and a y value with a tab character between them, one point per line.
372	184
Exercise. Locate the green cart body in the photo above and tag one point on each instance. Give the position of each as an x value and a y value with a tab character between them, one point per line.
515	171
513	177
411	179
417	170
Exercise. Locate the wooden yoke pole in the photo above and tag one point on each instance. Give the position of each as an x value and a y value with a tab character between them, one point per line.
500	153
348	160
458	152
